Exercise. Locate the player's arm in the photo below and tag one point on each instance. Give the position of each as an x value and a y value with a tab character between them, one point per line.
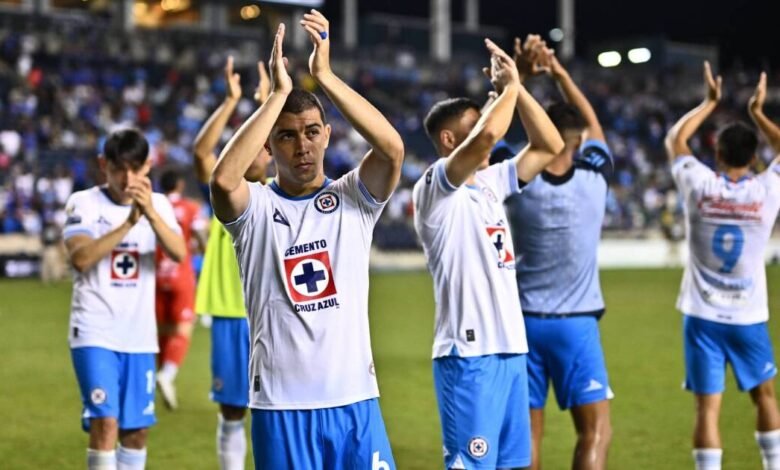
208	137
229	190
380	169
171	242
677	138
494	122
84	252
574	96
756	110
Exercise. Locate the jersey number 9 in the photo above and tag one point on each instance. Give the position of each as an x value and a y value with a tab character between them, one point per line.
727	243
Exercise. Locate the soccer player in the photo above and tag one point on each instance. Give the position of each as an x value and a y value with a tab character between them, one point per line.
302	245
556	225
723	297
111	235
219	291
479	348
175	297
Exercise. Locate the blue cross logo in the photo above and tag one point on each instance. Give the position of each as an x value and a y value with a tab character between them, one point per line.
126	264
310	277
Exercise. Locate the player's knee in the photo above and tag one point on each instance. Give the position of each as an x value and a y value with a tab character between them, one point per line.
134	438
103	433
184	329
763	392
598	433
232	413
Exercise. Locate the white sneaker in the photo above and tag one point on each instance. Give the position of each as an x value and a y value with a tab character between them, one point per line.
168	392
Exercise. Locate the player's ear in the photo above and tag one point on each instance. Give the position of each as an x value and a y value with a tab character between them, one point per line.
327	130
102	164
447	139
267	148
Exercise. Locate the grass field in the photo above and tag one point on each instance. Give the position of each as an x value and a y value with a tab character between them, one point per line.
652	416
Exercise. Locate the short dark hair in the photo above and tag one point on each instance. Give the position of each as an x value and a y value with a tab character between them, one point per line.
566	117
126	147
169	179
443	111
737	144
300	100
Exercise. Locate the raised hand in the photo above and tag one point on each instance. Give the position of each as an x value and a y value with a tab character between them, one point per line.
318	28
503	71
756	103
232	81
713	85
531	57
280	79
263	85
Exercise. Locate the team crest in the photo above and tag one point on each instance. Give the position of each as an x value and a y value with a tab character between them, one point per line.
125	265
326	202
489	194
498	238
478	447
97	396
310	277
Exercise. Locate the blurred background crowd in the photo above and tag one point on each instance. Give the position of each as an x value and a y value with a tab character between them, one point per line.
65	84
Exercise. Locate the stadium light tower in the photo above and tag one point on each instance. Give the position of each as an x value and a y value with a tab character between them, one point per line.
350	20
566	24
472	15
441	30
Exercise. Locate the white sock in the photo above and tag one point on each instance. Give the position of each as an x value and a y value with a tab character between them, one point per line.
769	443
707	459
101	459
169	371
231	444
131	459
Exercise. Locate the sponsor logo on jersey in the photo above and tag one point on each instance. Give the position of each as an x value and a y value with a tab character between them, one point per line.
499	240
717	207
125	265
279	218
310	277
326	202
478	447
429	176
73	220
98	396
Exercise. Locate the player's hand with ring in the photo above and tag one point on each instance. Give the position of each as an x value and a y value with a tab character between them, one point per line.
280	78
318	28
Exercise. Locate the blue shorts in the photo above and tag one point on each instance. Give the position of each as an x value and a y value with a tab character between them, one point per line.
483	407
346	437
567	352
230	361
115	385
710	345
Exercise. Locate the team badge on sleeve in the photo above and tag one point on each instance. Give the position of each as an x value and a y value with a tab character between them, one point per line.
125	265
499	240
310	277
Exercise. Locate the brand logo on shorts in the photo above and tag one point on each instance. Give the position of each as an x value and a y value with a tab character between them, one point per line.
217	384
326	202
310	277
149	410
97	396
478	447
125	265
593	386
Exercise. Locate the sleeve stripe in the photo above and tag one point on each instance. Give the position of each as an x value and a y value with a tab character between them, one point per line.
368	196
441	177
71	232
514	185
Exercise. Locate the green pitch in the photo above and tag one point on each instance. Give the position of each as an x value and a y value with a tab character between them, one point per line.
652	416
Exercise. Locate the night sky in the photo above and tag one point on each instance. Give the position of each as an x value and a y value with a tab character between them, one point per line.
745	30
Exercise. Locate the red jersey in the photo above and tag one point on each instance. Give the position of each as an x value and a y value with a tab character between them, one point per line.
170	273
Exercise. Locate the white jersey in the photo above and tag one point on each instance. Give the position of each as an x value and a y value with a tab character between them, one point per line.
728	225
304	269
113	303
468	245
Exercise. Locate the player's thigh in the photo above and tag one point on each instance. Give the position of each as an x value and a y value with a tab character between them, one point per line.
514	444
473	397
538	350
98	375
355	437
230	361
750	353
138	385
705	358
578	368
283	439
